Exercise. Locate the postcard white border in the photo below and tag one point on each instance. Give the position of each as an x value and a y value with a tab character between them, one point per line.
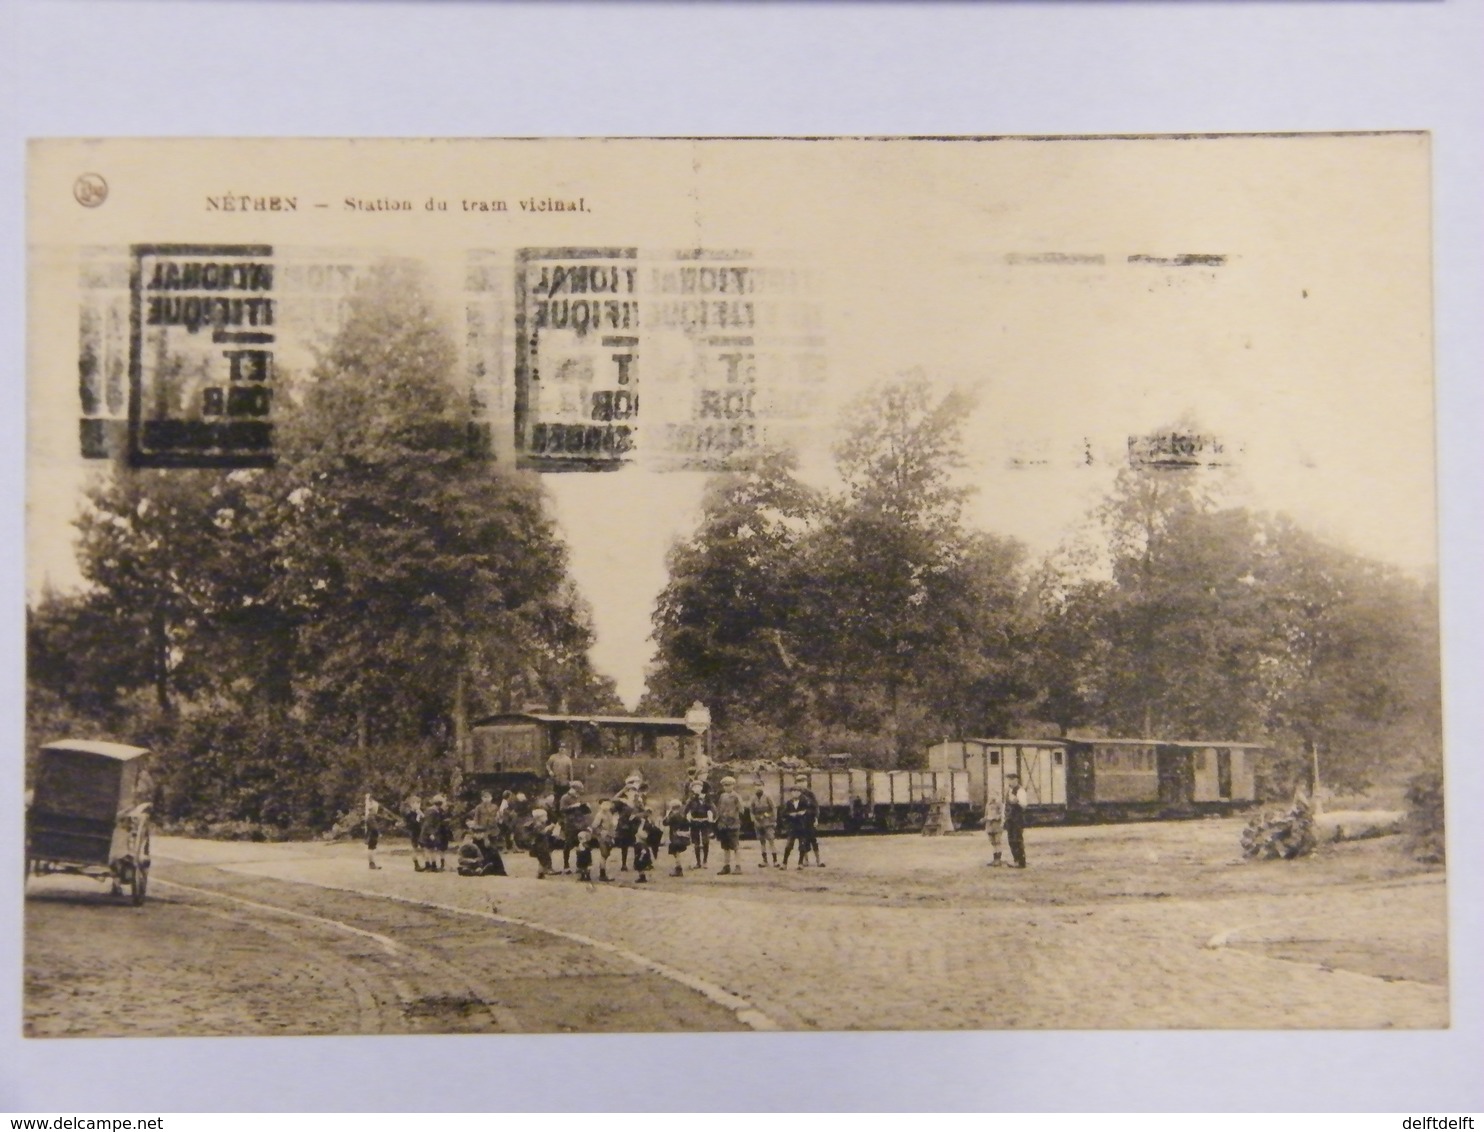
103	67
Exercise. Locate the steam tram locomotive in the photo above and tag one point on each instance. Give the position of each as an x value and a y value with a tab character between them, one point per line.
509	751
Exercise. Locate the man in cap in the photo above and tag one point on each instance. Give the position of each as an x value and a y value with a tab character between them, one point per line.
559	771
800	813
412	818
1016	800
729	825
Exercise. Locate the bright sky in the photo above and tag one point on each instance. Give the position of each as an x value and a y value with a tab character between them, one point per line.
1306	350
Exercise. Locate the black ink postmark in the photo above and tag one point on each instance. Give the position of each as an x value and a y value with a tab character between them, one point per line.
202	330
731	348
1176	450
576	358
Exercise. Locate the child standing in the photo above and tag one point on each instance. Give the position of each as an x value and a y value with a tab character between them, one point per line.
765	824
729	826
649	836
702	817
679	827
437	834
994	825
539	832
585	856
373	834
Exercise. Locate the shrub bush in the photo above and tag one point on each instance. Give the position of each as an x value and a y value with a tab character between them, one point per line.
1425	822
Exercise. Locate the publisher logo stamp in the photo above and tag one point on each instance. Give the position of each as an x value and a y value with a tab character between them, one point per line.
90	190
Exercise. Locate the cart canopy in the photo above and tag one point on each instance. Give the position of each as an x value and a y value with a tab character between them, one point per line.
97	747
87	781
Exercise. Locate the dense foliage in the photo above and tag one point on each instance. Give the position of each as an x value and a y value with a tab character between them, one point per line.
875	621
284	636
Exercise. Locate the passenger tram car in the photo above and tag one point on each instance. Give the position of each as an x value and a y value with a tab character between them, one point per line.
1089	780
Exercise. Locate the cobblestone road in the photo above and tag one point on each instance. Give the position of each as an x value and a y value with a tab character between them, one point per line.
223	952
1124	927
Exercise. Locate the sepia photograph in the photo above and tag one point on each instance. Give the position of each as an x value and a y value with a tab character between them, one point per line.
577	586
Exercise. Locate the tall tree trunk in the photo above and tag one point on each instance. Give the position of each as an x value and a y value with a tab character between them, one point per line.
894	718
160	657
460	717
1311	748
279	678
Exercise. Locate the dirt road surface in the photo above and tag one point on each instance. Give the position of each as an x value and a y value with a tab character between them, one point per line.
1133	926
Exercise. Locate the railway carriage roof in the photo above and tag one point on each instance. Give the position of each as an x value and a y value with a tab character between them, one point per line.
1193	743
119	751
646	722
1111	742
1016	742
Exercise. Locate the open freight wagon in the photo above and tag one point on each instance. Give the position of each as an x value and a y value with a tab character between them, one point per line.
854	799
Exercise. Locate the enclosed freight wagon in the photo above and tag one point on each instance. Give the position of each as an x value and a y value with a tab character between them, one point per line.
1040	765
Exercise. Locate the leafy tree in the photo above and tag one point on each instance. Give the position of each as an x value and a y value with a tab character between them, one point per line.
915	615
422	574
1354	676
727	625
1227	624
872	618
338	616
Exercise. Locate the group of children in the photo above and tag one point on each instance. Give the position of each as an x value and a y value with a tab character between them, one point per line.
565	822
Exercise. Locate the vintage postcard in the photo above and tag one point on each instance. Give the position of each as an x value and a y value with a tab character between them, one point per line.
597	585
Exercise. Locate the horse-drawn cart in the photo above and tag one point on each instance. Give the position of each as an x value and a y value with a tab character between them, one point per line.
89	814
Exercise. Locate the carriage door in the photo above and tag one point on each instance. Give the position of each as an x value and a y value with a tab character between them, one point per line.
994	772
1033	774
1224	773
976	762
1176	770
1058	772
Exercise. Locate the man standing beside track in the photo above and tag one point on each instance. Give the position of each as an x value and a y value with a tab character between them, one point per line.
1015	804
559	772
800	813
412	818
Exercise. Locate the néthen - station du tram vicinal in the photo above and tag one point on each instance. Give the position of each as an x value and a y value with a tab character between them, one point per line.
1067	780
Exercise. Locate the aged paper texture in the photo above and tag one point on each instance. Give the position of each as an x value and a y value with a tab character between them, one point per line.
697	584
